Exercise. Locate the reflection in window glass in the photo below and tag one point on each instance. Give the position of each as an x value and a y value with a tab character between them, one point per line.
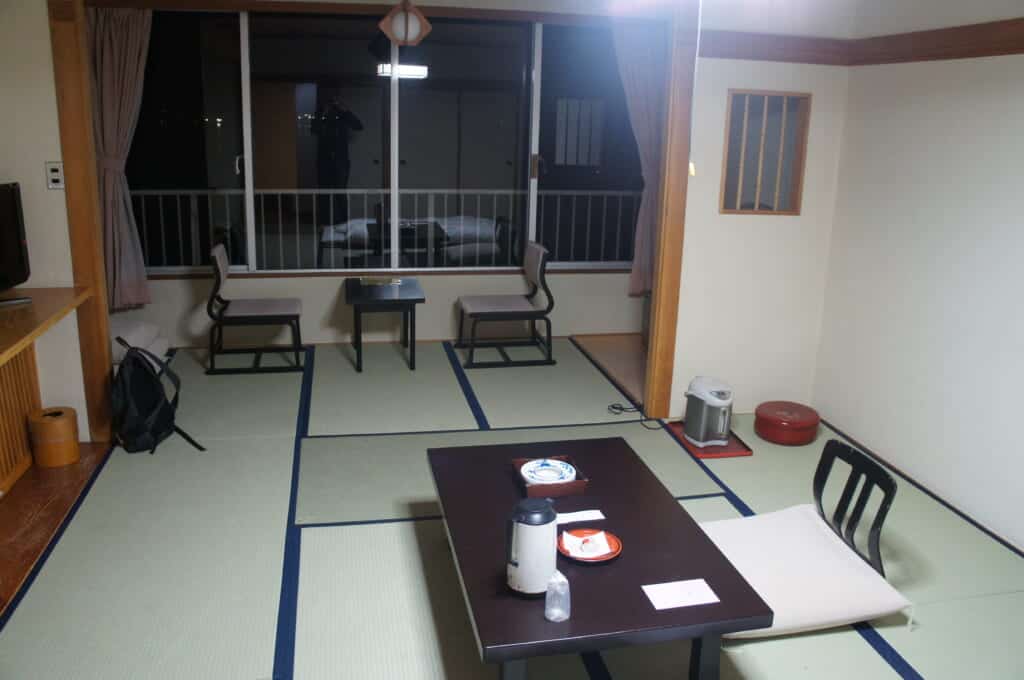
184	165
320	135
463	146
590	181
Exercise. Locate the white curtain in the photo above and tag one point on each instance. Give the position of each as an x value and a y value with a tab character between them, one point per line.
642	55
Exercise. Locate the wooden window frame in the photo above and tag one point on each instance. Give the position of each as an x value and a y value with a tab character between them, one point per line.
797	188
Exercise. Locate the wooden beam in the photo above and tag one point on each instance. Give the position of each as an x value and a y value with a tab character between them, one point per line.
668	256
373	10
991	39
78	151
766	47
994	38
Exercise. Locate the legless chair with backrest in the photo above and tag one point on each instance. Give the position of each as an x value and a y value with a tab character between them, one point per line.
252	312
805	562
491	308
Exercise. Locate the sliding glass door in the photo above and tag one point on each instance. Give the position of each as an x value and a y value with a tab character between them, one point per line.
320	117
295	137
185	164
463	145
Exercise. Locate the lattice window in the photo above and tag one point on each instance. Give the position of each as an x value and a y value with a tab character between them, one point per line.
765	151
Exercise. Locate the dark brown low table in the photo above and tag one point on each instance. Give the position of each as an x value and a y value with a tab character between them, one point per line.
478	488
400	297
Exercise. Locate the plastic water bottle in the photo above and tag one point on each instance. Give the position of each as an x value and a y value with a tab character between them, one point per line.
557	604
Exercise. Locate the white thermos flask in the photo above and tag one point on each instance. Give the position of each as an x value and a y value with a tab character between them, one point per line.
531	546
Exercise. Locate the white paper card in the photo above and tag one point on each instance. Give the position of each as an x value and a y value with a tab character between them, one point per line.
580	516
680	594
589	547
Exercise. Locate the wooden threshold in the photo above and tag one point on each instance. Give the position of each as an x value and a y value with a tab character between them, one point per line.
34	511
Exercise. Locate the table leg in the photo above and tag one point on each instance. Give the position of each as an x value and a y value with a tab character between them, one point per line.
405	328
513	670
358	337
412	337
704	656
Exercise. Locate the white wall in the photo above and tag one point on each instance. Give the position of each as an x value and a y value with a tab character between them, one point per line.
751	297
584	303
922	347
28	138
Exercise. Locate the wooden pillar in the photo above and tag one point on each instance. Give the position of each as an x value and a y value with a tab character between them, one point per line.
668	258
71	73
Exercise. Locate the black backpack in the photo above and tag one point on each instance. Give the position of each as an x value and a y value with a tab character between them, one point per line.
143	415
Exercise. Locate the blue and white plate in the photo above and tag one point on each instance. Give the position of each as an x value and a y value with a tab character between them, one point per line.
547	471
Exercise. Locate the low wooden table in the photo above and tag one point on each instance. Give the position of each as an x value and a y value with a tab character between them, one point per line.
478	489
402	297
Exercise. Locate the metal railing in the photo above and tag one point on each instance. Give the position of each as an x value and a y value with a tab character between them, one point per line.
305	229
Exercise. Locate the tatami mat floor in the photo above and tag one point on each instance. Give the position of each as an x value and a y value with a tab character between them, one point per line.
277	554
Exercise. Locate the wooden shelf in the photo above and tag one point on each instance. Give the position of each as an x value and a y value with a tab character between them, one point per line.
33	511
21	326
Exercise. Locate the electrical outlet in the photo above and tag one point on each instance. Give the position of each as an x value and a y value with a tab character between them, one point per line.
54	175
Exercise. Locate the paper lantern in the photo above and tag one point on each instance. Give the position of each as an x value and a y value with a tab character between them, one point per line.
405	24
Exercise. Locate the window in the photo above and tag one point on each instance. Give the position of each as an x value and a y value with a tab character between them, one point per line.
184	168
463	136
287	137
765	149
589	183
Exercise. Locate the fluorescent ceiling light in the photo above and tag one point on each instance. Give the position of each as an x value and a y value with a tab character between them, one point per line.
404	71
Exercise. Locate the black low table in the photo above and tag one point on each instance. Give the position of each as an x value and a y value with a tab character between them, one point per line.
395	297
478	489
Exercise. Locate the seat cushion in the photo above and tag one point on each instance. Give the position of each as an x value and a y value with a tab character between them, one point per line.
494	304
808	576
135	333
264	307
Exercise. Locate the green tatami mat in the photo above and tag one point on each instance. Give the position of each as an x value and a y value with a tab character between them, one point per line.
572	391
346	479
972	638
171	569
383	602
709	509
387	396
930	554
232	406
840	654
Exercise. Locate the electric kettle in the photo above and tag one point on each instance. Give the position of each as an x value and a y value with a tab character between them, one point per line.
530	546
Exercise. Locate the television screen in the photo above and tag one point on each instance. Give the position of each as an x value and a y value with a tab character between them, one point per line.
13	249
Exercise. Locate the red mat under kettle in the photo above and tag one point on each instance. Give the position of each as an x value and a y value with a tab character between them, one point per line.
735	448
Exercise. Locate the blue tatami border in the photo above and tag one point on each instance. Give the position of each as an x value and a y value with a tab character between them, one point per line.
467	387
287	609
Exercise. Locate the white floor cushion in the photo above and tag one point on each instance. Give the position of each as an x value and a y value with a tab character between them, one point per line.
808	576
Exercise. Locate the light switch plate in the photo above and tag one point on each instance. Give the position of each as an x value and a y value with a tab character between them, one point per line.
54	175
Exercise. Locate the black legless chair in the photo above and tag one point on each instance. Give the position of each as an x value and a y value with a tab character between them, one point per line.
805	563
248	312
844	522
491	308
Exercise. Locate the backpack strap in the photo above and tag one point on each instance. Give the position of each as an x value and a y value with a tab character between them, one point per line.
165	371
187	437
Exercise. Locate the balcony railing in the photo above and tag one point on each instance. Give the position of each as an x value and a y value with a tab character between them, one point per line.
341	229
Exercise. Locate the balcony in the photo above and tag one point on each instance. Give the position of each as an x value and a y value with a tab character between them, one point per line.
345	229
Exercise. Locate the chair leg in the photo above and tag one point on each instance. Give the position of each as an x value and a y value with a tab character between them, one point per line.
547	323
213	347
296	341
472	343
462	322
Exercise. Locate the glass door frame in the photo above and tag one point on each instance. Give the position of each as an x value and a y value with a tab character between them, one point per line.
532	166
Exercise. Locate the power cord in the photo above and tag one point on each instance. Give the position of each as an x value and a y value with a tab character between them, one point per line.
618	409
